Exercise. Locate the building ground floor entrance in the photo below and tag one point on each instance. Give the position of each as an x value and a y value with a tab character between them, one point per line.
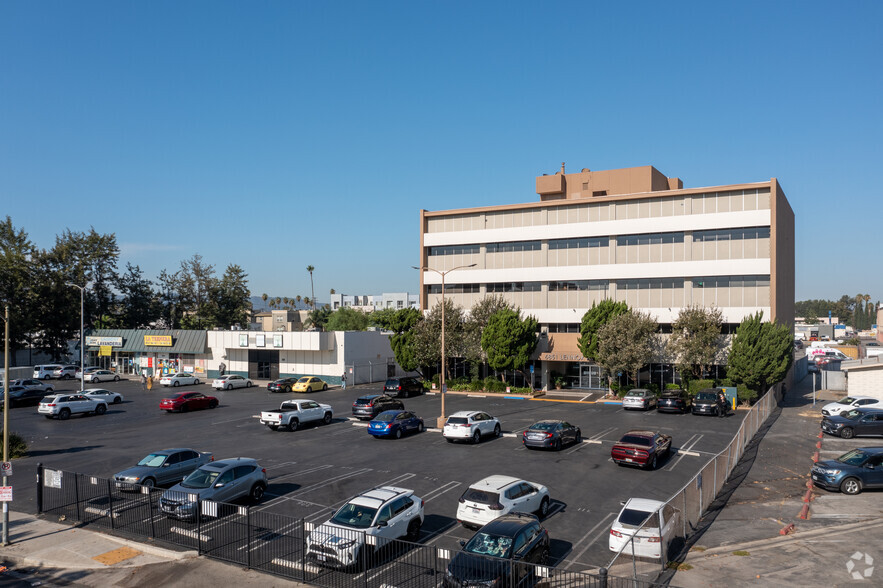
263	364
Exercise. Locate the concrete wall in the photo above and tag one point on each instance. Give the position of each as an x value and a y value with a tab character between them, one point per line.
866	382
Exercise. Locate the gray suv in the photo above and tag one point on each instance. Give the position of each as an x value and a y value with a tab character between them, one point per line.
168	466
217	481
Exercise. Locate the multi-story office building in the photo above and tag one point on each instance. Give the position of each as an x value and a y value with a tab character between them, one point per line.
628	234
370	303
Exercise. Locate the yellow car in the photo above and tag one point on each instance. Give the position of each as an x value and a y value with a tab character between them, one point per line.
309	384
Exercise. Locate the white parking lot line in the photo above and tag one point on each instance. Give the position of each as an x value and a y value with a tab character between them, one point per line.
439	491
590	543
684	451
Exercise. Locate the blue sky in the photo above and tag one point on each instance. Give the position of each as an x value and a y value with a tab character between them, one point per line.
281	134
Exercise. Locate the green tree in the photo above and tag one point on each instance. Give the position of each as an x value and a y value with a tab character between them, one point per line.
595	318
138	302
479	316
625	344
383	318
761	354
427	335
347	319
196	282
403	323
230	298
508	340
696	339
168	299
317	318
17	281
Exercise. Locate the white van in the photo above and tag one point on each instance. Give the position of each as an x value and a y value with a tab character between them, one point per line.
816	353
44	372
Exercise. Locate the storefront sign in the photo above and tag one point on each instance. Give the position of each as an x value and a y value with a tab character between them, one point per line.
562	357
105	351
104	341
158	340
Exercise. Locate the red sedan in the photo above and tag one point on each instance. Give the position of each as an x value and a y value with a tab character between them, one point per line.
187	401
641	448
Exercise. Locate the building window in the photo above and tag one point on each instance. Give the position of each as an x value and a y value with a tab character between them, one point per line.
513	247
454	250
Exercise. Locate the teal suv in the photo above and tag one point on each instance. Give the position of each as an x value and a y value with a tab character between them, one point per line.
852	472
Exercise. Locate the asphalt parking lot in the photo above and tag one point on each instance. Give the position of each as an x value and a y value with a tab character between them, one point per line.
314	470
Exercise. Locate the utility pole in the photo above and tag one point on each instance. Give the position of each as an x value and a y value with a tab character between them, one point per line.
82	290
5	533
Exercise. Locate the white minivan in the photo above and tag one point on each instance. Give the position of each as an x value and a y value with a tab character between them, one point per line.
44	372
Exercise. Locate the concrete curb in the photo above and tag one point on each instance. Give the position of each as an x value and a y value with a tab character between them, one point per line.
153	549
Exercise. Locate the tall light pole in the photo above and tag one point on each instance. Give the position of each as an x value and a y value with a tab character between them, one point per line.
82	290
440	423
4	539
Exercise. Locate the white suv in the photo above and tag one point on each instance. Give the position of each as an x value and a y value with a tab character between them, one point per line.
470	425
45	372
365	524
64	405
495	496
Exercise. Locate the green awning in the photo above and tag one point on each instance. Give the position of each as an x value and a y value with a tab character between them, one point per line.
133	340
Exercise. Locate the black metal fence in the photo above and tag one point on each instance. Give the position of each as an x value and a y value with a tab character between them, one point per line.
280	545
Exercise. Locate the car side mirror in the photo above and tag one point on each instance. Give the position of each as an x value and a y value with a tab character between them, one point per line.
165	465
871	466
462	543
219	485
382	524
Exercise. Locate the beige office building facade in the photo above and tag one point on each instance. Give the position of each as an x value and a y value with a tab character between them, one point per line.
631	234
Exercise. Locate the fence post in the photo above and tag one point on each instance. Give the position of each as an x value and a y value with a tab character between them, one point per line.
303	537
602	578
110	503
248	539
150	509
198	525
715	476
77	496
684	515
40	488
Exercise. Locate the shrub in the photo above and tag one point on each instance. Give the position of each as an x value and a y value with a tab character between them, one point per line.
18	447
726	383
522	391
653	388
697	385
672	387
492	384
476	385
745	394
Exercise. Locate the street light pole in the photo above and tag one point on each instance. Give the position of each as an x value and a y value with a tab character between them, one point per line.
4	539
82	290
440	423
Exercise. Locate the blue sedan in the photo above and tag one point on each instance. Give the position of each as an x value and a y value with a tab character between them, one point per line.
395	423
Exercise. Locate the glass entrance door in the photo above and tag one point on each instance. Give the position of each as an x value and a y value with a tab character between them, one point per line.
590	376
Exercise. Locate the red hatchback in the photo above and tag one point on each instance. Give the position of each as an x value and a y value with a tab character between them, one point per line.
641	448
187	401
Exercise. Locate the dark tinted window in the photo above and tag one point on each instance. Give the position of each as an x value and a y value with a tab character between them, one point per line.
457	420
481	496
635	440
635	518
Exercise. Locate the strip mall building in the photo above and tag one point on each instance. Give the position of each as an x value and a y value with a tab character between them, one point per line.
631	235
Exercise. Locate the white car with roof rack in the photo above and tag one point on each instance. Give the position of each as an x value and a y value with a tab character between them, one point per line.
494	496
365	524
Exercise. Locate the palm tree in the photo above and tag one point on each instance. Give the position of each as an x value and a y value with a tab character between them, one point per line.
333	291
298	298
312	291
264	296
307	300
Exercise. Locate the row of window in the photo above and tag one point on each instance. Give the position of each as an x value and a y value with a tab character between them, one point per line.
603	285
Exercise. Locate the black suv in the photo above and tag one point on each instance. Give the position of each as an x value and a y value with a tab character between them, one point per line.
496	553
673	401
407	386
282	385
705	402
853	423
368	407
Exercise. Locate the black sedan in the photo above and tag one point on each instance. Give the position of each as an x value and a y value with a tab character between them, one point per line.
674	401
854	423
282	385
21	396
492	556
551	434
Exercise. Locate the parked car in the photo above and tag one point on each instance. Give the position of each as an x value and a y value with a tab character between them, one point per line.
87	370
495	496
224	480
641	448
551	434
292	413
395	423
852	472
44	372
101	376
179	379
639	398
65	372
64	405
185	401
309	384
384	514
490	558
105	395
705	402
282	385
161	467
231	381
812	368
470	425
369	406
21	396
31	384
652	523
674	401
406	386
850	402
854	423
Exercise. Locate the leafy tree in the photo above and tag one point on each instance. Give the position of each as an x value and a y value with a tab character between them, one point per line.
475	324
317	318
196	282
347	319
383	318
696	339
761	354
169	301
625	344
427	335
137	304
17	280
230	298
508	340
402	323
595	318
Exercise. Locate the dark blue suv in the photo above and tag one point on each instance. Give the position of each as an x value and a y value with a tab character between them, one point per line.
852	472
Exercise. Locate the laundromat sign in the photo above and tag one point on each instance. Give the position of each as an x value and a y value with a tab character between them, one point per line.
104	341
158	340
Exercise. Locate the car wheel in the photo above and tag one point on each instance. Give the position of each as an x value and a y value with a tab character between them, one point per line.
213	404
847	433
364	558
117	399
544	508
116	378
420	427
175	384
257	492
196	382
497	431
248	384
413	530
229	387
184	408
557	445
851	486
293	424
651	465
64	414
67	376
579	438
398	434
148	482
287	390
309	389
476	438
101	409
327	419
544	557
324	387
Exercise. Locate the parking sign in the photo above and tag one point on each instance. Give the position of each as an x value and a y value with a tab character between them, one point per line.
6	468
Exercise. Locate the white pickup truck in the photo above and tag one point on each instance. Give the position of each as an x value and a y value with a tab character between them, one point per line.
293	413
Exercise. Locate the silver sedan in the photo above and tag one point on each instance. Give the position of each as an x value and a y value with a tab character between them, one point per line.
231	381
102	376
105	395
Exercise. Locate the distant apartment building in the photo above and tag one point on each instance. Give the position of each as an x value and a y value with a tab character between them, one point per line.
631	235
370	303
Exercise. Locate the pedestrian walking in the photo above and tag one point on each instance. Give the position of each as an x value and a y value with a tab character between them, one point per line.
343	381
222	368
143	381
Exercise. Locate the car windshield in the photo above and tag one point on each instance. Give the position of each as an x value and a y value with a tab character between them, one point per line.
386	417
706	396
635	518
392	383
492	545
635	393
154	460
847	400
854	457
481	496
200	479
852	414
458	421
547	426
353	515
635	440
303	380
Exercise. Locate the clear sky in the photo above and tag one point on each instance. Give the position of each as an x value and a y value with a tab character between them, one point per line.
281	134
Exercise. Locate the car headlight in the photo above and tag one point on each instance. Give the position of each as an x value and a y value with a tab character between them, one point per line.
832	472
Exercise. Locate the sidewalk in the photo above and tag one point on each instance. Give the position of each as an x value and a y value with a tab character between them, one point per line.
58	554
741	541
